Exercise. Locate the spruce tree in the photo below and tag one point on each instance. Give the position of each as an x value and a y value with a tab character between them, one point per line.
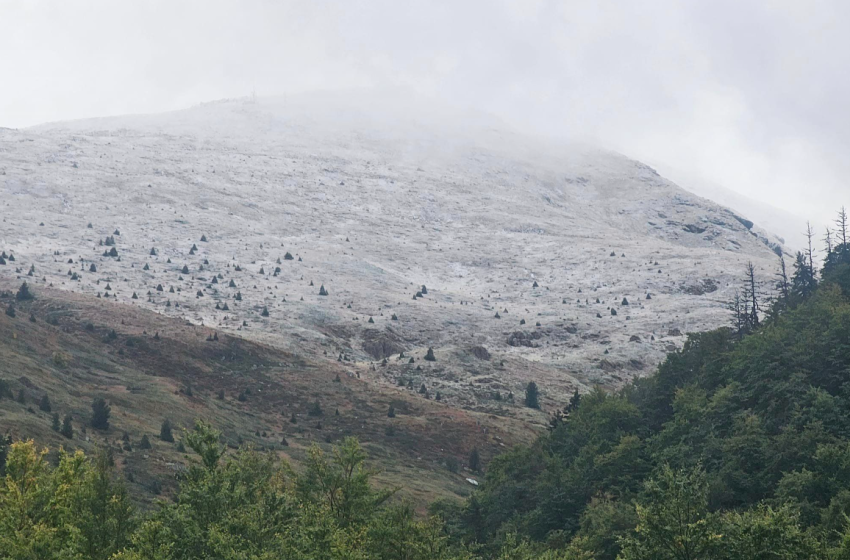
803	282
100	414
474	461
24	293
44	404
429	356
532	395
67	428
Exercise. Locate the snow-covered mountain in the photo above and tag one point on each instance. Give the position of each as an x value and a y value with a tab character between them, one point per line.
561	263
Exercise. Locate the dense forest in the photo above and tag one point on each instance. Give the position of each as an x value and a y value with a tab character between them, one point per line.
738	447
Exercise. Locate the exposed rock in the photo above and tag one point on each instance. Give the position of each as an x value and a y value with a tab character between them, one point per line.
480	352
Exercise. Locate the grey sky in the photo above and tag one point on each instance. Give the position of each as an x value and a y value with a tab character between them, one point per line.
749	94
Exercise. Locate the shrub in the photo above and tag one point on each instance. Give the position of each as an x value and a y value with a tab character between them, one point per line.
165	431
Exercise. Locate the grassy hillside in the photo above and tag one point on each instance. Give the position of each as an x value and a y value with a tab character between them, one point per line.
149	368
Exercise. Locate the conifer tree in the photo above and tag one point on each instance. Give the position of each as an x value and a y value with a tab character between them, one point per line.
24	293
44	404
100	414
474	461
67	428
532	395
803	282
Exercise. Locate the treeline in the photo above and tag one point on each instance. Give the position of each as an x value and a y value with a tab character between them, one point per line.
738	447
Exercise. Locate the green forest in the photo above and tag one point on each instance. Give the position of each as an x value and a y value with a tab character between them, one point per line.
738	447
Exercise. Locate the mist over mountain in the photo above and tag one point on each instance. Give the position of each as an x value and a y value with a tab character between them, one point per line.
568	263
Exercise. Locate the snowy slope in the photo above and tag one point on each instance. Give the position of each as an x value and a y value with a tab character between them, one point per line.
373	203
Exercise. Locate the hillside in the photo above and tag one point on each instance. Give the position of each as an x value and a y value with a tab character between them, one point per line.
75	348
373	204
736	448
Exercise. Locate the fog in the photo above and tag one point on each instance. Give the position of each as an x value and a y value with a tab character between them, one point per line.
748	95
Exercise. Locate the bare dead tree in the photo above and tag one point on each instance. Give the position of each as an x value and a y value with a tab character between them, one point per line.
841	222
810	253
752	297
782	280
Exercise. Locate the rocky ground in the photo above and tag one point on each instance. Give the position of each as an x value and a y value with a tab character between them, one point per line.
514	259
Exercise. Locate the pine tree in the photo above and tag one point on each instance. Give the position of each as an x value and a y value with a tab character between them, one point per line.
67	428
474	461
24	293
100	414
532	395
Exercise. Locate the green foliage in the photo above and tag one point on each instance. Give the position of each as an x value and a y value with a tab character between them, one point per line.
737	448
239	506
750	436
75	510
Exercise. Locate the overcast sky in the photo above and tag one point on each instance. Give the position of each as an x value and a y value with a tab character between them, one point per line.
753	95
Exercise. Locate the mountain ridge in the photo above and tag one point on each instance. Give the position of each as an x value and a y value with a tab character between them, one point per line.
476	214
